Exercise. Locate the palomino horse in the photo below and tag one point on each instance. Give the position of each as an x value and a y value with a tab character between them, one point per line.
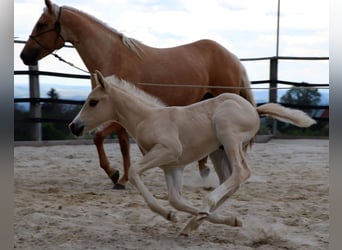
204	63
172	137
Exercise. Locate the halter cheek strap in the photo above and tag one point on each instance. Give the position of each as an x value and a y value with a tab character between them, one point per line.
57	28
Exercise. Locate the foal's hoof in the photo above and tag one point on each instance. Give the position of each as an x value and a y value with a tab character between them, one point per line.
172	216
202	215
119	186
115	177
238	223
205	172
184	235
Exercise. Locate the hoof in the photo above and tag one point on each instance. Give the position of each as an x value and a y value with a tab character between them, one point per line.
171	216
115	177
205	172
119	186
202	215
238	223
184	235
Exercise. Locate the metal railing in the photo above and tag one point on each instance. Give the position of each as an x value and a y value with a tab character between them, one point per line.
35	100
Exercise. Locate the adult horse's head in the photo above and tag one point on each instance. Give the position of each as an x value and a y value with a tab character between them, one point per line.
96	110
46	35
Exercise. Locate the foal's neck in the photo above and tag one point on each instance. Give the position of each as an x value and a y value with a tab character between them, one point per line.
129	110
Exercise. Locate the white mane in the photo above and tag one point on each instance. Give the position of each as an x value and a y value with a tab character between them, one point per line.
130	43
133	90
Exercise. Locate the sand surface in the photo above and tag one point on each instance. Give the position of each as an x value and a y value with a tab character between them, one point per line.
63	200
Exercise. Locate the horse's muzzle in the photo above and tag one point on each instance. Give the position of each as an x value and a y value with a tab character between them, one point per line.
76	129
28	59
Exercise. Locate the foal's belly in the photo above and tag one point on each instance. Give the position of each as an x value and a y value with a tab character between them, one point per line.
198	150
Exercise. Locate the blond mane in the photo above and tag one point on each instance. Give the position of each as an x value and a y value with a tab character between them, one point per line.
130	43
135	91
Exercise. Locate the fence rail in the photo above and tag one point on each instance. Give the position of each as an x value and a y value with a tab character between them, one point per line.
35	100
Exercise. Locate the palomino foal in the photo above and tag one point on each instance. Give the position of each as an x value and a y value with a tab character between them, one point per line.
169	139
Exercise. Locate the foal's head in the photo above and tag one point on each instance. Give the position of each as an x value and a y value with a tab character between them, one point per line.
46	35
96	110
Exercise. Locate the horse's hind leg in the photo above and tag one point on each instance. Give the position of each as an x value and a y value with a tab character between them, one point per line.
203	168
112	173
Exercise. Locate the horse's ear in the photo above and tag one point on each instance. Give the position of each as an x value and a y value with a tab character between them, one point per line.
100	79
48	4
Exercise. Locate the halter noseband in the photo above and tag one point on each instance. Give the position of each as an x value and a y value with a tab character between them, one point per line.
57	28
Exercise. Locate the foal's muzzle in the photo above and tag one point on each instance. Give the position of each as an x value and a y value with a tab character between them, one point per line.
76	129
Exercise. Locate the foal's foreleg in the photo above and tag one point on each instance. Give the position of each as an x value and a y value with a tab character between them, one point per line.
159	155
174	181
112	173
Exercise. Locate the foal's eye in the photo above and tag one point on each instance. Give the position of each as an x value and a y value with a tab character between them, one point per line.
93	103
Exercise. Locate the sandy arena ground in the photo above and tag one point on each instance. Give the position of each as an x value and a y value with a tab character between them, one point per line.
63	200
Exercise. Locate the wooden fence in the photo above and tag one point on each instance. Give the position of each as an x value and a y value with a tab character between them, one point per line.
35	100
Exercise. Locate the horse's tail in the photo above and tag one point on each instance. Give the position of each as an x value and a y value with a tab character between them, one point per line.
246	90
293	116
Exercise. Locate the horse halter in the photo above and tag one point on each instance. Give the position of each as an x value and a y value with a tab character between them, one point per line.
56	28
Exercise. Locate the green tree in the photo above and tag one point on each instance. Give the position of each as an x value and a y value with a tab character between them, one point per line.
20	123
51	109
60	113
56	129
301	96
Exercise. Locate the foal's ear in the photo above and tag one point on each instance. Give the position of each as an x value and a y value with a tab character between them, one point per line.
100	79
93	80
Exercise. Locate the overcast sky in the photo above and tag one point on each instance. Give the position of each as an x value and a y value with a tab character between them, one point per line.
245	27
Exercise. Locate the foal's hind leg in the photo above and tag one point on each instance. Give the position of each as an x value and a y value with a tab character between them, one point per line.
174	179
239	172
220	162
112	173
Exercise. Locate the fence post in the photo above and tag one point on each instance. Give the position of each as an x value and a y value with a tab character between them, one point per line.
35	109
273	94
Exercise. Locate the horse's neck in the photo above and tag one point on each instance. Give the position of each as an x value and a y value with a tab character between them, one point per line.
96	44
129	110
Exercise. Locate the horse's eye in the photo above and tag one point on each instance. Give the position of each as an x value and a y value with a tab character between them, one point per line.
40	26
93	103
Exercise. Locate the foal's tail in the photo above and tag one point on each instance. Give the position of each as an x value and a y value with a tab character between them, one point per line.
293	116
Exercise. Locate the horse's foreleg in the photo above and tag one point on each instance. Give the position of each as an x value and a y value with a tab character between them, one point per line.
98	139
203	168
124	147
112	173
